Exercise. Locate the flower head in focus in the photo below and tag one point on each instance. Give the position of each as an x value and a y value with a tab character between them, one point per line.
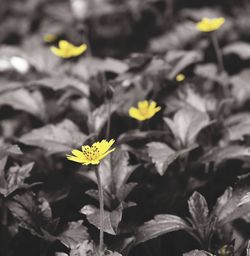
92	154
209	25
49	38
145	110
67	50
180	77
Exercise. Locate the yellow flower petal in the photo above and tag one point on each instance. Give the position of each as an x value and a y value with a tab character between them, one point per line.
135	113
104	145
68	50
92	154
143	104
101	157
63	44
209	25
56	51
180	77
79	50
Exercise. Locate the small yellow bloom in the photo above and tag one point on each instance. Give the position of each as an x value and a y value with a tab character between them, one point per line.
209	25
68	50
92	154
144	110
180	77
49	38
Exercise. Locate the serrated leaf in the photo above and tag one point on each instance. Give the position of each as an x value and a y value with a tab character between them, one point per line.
61	82
187	123
16	176
74	235
240	86
111	219
86	248
114	171
198	253
237	126
31	212
188	58
98	118
162	155
198	209
59	138
238	204
220	154
160	225
22	99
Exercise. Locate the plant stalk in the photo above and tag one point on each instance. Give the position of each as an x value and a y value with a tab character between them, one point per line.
101	201
217	52
109	119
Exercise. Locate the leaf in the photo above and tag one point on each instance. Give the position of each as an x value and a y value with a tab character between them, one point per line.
220	154
74	235
162	155
16	176
31	212
198	253
188	58
238	204
237	126
22	99
208	71
183	34
62	82
86	248
114	171
198	209
59	138
240	49
240	86
96	65
111	219
187	123
222	201
99	117
160	225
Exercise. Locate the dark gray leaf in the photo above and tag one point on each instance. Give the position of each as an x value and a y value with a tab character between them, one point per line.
160	225
59	138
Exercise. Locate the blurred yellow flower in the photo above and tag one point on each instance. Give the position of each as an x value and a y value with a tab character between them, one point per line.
49	38
209	25
180	77
92	154
68	50
144	110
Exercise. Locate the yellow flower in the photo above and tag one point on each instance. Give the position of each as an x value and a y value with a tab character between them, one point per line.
49	38
180	77
144	110
68	50
209	25
92	154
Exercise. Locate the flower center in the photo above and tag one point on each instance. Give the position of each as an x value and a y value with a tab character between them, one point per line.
144	111
91	153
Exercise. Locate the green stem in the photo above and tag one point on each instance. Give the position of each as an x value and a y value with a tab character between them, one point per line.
109	119
101	201
217	52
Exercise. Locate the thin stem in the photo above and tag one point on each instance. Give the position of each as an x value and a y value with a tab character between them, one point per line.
217	52
101	201
109	119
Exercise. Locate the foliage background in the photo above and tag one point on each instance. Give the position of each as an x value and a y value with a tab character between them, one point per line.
49	106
